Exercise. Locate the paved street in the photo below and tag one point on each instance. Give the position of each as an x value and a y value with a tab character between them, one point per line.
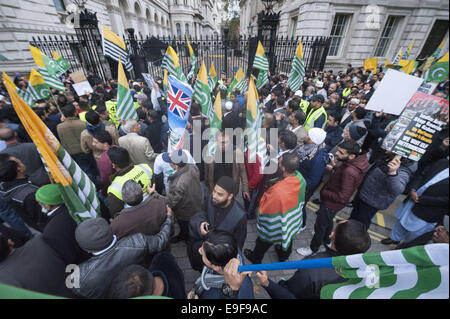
376	232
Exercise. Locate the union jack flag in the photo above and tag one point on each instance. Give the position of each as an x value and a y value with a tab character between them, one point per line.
179	97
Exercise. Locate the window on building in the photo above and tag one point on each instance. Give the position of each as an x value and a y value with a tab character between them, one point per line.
387	35
293	26
186	26
338	31
179	30
59	5
435	37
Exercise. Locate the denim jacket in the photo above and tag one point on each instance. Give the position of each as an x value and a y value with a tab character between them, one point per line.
97	273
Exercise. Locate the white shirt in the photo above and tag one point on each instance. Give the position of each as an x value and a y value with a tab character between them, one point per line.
161	166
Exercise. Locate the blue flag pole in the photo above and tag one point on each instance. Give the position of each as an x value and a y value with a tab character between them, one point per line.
297	264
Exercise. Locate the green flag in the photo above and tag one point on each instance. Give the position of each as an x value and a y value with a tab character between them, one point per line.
37	87
412	273
201	93
439	71
26	96
171	63
125	105
52	67
238	79
298	69
42	62
63	64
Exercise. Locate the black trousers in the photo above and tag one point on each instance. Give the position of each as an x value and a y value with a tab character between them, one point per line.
363	212
261	247
194	256
308	194
322	227
184	229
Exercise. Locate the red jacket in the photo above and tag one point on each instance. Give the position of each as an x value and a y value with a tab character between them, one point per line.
343	183
255	177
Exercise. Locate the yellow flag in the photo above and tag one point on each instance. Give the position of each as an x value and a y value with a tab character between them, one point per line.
42	137
37	56
110	36
444	58
299	51
170	51
166	79
121	76
371	64
212	70
218	107
36	78
408	67
252	100
260	49
191	52
202	75
239	74
56	56
428	62
410	47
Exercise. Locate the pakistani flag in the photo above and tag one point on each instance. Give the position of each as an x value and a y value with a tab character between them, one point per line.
212	77
414	273
77	189
238	82
201	93
193	69
215	120
171	63
37	87
43	62
262	64
439	71
125	105
62	63
297	70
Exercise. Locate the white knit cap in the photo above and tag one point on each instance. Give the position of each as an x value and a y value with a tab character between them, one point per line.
299	93
228	105
317	135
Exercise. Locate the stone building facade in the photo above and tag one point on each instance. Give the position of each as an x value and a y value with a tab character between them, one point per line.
359	29
22	19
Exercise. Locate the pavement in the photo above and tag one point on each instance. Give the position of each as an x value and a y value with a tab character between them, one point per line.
381	227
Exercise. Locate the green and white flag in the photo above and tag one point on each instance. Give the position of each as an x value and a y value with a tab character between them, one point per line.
62	63
51	66
42	62
238	82
262	64
253	121
125	105
201	93
171	63
26	96
438	72
262	79
37	87
414	273
298	70
215	120
193	69
212	77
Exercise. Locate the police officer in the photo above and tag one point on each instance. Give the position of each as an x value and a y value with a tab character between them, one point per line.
125	171
316	116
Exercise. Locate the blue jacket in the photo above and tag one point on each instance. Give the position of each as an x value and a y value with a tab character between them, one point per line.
334	137
313	169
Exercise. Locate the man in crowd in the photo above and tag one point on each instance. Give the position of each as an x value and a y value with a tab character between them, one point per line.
296	121
316	115
220	211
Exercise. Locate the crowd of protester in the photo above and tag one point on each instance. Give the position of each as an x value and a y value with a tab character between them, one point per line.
328	144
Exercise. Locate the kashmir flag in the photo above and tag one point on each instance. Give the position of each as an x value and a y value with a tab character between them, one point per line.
439	71
125	105
165	82
238	82
42	62
37	87
26	96
437	53
262	64
115	48
171	63
371	64
215	125
419	272
407	66
297	70
62	63
397	57
202	94
77	190
280	214
212	77
408	52
253	125
193	69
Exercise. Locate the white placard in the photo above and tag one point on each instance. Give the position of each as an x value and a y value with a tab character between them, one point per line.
394	92
82	88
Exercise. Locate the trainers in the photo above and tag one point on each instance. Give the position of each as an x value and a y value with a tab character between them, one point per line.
388	241
304	251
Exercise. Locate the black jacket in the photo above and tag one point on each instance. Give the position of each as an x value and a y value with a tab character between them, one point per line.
37	267
433	203
153	133
306	283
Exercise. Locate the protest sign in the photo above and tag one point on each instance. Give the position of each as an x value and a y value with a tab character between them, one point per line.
427	87
81	84
423	116
394	92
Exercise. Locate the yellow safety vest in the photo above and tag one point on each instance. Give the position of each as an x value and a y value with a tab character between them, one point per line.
82	116
345	93
313	116
304	105
141	174
111	106
136	105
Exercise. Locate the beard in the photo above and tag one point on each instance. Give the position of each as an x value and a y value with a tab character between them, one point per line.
219	204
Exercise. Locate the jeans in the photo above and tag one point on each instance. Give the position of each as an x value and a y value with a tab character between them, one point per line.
322	227
363	212
8	214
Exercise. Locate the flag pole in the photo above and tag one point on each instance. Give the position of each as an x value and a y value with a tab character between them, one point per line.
297	264
55	101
